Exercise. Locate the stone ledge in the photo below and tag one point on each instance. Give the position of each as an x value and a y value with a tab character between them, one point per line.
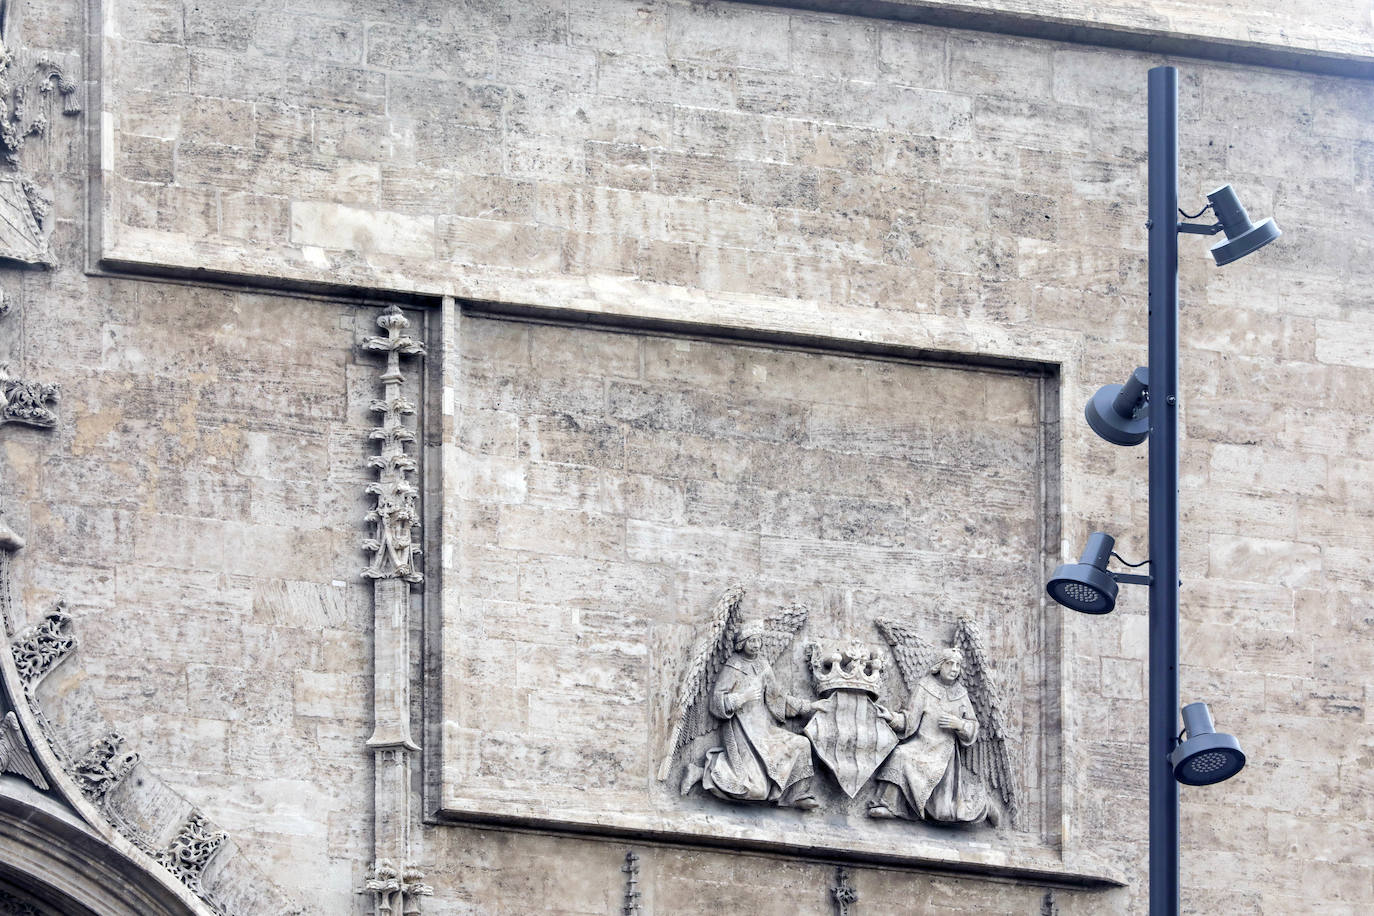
1325	53
1047	869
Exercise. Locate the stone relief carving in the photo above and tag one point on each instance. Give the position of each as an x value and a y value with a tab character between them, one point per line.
843	892
191	850
952	726
851	738
397	892
26	402
393	571
15	756
941	755
731	688
102	768
394	516
631	870
23	207
39	648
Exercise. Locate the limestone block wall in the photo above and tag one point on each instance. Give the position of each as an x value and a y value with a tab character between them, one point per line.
730	166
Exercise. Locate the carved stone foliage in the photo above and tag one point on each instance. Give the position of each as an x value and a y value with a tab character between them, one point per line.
397	892
394	517
23	207
843	893
26	402
102	767
43	645
191	850
941	754
631	870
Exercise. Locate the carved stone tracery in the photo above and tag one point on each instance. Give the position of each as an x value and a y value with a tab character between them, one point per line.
191	850
43	645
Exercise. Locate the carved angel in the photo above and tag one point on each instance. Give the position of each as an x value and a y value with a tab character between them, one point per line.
955	757
730	688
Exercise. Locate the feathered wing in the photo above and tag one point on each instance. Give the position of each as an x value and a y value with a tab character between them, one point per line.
780	629
914	653
692	716
14	752
992	756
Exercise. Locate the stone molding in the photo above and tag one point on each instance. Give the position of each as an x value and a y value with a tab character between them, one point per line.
1327	53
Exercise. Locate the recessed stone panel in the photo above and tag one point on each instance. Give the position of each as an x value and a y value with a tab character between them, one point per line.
604	488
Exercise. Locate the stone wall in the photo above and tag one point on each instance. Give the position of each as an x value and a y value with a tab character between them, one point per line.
734	167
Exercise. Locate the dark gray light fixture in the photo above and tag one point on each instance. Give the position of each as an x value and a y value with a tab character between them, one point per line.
1120	413
1242	236
1206	756
1147	408
1088	586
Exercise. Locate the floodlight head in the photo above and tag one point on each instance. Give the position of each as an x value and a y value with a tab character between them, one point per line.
1242	236
1086	586
1206	756
1121	413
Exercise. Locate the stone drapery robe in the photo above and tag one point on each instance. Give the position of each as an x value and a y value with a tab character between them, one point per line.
758	759
925	766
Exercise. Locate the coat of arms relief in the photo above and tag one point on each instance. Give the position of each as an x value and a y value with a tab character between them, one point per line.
939	753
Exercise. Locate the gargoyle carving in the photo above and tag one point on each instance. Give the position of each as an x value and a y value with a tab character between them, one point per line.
103	766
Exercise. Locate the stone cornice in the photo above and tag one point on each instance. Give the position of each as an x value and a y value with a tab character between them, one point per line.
1318	54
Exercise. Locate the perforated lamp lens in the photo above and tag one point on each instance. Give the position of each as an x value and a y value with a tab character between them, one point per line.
1086	586
1207	756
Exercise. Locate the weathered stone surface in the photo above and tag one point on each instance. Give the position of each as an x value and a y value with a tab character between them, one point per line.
735	167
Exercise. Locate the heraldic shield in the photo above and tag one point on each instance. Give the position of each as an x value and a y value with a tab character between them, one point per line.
849	736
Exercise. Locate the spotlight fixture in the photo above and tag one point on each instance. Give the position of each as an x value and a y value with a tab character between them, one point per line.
1242	236
1207	756
1087	586
1120	413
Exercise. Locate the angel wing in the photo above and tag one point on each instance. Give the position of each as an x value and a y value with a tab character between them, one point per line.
992	756
14	752
692	716
915	654
780	629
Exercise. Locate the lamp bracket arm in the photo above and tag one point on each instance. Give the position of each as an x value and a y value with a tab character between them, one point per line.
1131	578
1199	228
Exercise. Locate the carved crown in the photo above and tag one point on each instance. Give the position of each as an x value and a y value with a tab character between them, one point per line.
857	667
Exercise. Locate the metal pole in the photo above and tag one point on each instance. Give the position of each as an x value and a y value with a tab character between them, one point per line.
1163	151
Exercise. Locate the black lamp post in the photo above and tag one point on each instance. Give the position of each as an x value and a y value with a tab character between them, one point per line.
1147	407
